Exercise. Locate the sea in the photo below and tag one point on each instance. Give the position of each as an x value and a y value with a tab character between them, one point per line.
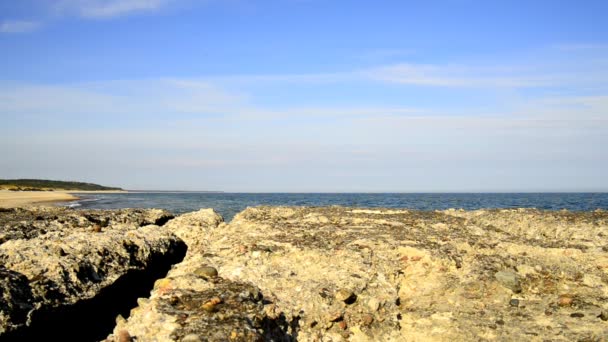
229	204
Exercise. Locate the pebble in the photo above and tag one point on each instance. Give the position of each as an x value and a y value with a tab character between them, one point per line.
603	316
211	305
565	300
163	286
373	304
577	315
191	338
514	302
206	272
368	319
509	280
342	325
97	228
346	296
335	316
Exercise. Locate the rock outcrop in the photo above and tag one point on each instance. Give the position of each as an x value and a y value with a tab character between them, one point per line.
333	274
58	264
320	274
195	302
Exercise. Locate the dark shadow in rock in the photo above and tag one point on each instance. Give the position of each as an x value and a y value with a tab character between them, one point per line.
94	319
280	329
16	298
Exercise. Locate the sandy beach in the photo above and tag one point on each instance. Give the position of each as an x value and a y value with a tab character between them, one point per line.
12	199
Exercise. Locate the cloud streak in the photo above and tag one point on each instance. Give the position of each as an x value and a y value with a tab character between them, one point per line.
452	76
19	26
103	9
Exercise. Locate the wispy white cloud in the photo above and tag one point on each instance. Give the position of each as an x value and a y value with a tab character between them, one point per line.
100	9
19	26
581	46
457	76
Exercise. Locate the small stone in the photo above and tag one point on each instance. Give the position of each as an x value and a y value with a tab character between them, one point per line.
191	338
96	228
603	316
565	300
514	302
211	305
163	286
163	282
373	304
509	280
335	316
368	319
206	272
346	296
124	336
342	325
577	315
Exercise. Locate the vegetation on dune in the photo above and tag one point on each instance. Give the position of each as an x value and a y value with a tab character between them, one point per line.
49	185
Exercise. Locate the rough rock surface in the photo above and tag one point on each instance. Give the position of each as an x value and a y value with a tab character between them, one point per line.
53	258
333	274
195	303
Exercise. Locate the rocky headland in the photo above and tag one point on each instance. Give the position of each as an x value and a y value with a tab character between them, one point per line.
307	274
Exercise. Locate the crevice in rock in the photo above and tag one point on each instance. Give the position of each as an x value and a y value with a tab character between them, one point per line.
161	221
95	318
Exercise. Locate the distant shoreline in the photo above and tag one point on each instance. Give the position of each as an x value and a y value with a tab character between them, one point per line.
13	199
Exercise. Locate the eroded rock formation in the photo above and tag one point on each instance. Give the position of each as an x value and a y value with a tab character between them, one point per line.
323	274
60	264
315	274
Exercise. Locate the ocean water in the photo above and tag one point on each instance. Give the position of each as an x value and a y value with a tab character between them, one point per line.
229	204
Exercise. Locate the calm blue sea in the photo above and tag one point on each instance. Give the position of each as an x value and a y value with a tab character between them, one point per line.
229	204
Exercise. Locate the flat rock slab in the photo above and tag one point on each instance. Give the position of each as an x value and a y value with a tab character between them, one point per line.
54	258
333	274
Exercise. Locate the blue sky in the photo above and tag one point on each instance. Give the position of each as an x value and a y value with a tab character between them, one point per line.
306	95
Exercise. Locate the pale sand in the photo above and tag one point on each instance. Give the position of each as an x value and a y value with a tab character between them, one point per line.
12	199
95	191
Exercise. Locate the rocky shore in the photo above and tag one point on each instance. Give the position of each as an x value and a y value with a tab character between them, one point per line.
308	274
61	267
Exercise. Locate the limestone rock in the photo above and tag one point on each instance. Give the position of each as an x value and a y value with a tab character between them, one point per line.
51	260
440	275
193	228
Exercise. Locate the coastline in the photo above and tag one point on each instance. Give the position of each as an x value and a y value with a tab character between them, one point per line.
13	199
93	191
